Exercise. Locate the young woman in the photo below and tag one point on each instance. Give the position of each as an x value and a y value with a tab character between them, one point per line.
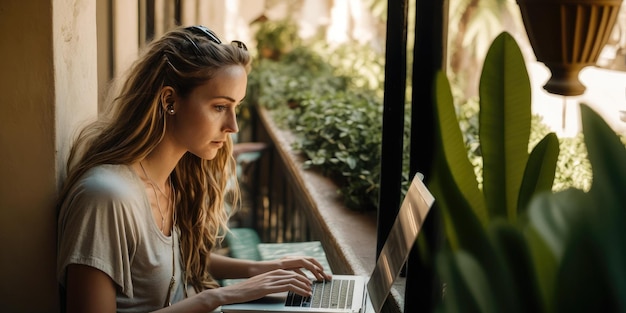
143	203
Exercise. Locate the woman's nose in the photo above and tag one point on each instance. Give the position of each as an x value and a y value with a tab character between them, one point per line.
231	124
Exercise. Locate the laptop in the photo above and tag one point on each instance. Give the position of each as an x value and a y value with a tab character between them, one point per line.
354	293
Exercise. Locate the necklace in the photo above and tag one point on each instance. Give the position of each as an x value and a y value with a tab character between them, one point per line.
170	201
168	302
154	189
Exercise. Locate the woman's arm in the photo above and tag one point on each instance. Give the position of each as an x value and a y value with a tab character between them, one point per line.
89	290
223	267
250	289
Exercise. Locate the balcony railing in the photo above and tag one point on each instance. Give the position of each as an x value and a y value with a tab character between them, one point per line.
289	204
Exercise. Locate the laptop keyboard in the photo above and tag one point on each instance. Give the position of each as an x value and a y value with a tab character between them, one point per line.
334	294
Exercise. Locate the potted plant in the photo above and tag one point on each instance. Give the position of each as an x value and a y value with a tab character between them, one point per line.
568	35
544	252
568	253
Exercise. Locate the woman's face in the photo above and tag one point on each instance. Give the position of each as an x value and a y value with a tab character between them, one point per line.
204	119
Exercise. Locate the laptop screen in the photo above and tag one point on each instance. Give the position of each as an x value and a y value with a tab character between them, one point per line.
395	251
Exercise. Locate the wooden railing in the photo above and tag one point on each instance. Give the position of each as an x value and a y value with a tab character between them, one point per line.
289	204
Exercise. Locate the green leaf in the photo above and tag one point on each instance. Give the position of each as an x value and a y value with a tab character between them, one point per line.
457	297
540	170
452	149
458	215
469	235
585	283
607	156
598	238
478	282
586	230
523	289
545	265
467	286
505	116
553	217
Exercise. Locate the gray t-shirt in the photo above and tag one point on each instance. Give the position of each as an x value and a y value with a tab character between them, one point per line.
106	223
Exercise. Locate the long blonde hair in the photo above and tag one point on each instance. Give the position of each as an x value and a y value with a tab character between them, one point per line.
136	124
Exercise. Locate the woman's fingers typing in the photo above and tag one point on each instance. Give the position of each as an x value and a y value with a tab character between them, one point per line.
311	264
286	274
267	283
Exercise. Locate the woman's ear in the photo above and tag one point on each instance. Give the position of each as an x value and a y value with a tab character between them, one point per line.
167	100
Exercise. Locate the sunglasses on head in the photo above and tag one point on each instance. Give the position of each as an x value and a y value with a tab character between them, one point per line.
206	32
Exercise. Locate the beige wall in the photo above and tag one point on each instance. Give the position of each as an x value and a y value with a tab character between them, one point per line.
48	84
52	66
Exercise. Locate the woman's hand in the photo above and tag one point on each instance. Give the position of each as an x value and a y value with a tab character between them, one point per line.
293	263
261	285
297	263
223	267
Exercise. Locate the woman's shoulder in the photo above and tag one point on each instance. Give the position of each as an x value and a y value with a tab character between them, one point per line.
105	189
116	179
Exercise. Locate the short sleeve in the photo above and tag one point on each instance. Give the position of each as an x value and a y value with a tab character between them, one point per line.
97	228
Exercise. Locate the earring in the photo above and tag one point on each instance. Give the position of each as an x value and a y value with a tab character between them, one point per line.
170	109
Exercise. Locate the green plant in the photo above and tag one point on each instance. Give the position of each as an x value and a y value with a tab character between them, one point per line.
275	38
516	246
338	133
572	169
584	232
361	63
301	73
511	176
566	255
334	113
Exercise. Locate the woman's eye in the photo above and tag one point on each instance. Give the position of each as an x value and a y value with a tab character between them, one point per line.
221	108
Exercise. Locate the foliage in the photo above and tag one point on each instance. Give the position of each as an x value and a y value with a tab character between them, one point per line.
572	170
541	252
339	135
333	110
275	38
510	174
566	254
363	65
298	74
320	76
